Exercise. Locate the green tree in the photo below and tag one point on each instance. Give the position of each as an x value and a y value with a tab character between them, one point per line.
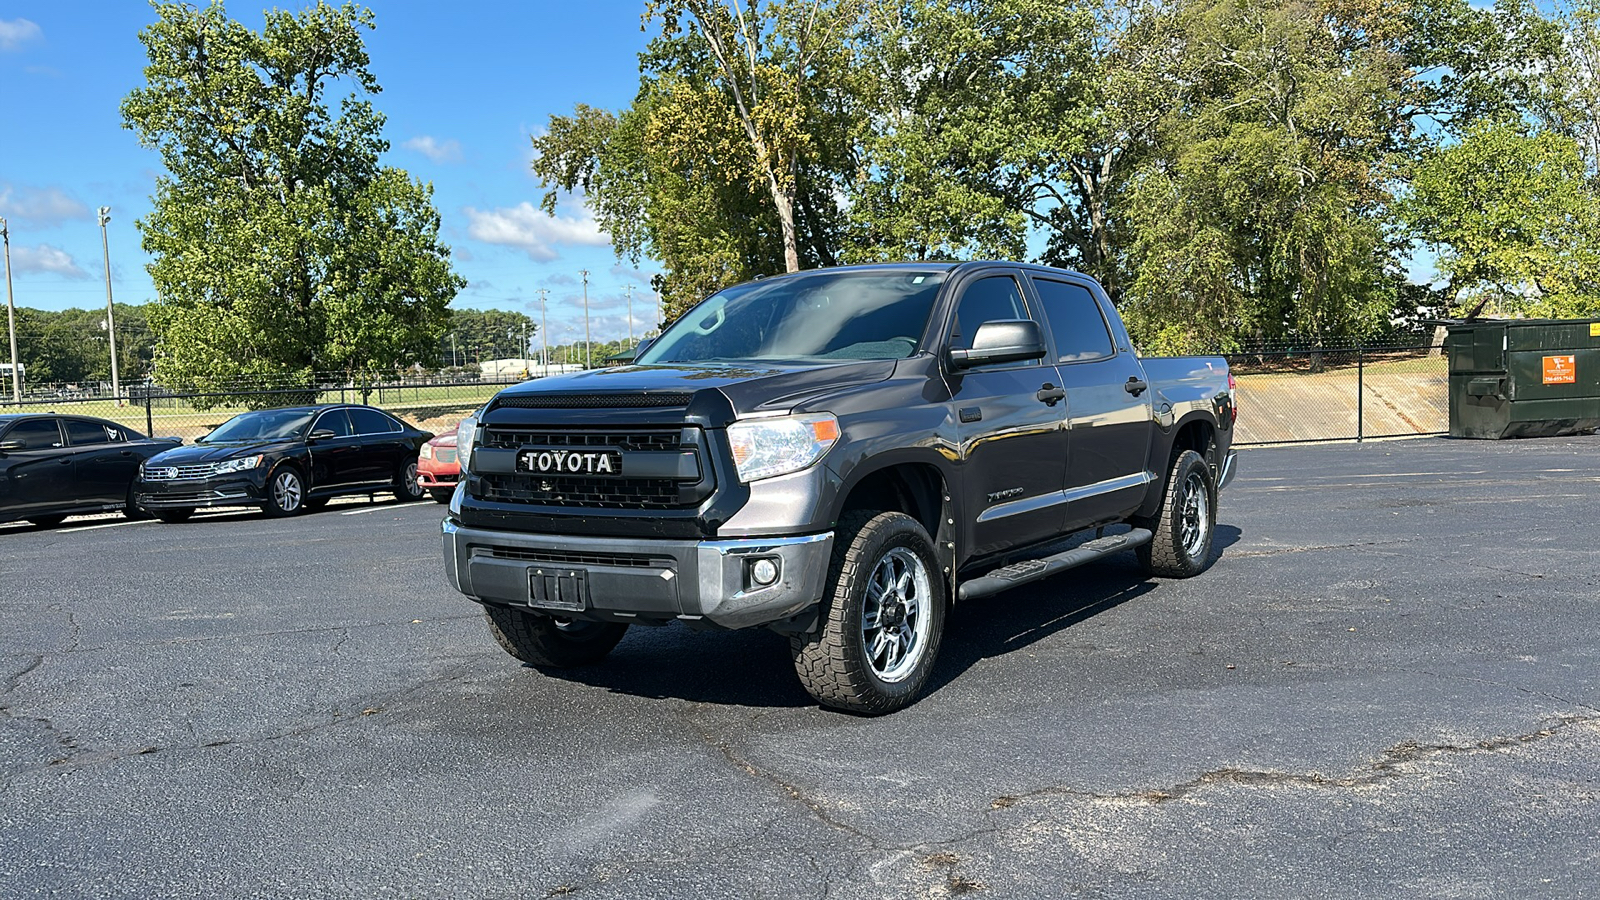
1514	217
282	246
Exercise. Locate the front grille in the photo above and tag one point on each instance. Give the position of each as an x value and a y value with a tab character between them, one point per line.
570	558
594	401
604	493
504	437
179	473
444	454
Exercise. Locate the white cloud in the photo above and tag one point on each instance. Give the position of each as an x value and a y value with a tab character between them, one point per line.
436	150
45	258
41	206
530	228
16	32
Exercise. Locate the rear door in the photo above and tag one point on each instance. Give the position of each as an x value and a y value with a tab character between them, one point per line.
383	444
103	462
1110	421
1013	445
40	475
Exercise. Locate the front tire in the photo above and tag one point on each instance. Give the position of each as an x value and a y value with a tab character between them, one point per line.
286	493
1186	523
173	516
406	489
883	617
548	642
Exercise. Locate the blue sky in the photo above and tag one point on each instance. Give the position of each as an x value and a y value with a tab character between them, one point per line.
464	85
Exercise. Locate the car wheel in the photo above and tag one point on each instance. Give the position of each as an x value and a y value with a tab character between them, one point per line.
1186	523
47	521
441	496
286	493
882	618
542	640
131	509
173	516
406	488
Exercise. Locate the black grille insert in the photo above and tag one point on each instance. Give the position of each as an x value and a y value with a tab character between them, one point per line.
604	493
504	437
594	401
573	558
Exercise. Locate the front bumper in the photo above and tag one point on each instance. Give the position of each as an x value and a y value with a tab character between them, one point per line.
197	493
432	475
638	579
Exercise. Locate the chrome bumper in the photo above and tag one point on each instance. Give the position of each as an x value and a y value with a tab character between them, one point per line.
623	579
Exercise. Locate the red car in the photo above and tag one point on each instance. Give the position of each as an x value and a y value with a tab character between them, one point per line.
438	470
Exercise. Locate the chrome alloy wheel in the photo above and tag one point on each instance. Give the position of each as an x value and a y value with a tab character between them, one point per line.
894	614
286	491
1196	515
411	480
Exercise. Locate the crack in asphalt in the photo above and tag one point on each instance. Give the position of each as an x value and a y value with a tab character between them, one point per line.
1389	766
1313	548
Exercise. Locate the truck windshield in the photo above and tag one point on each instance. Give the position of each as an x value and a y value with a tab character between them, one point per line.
815	317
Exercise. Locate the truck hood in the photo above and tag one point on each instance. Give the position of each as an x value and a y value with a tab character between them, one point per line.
750	387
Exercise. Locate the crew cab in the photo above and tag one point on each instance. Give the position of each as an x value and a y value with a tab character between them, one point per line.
839	455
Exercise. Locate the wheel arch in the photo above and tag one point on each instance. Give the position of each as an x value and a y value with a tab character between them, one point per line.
912	485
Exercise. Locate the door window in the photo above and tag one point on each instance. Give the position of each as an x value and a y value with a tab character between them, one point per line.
333	420
36	434
370	421
995	298
1076	323
81	433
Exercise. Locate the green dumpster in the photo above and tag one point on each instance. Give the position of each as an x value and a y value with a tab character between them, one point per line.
1524	377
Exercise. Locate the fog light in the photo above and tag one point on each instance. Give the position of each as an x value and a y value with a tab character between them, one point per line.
764	572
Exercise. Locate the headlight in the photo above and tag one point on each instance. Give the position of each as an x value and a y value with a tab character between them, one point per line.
765	448
426	452
466	432
238	465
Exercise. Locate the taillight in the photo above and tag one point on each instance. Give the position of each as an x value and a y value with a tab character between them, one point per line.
1233	397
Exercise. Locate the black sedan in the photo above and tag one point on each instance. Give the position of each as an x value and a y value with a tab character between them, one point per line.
285	461
53	466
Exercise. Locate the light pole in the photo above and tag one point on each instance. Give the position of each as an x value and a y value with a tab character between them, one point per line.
587	362
111	316
544	329
11	318
630	316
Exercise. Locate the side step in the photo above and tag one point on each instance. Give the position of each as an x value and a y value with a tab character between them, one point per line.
1020	573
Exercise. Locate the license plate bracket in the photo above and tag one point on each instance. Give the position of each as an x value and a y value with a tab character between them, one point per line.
563	589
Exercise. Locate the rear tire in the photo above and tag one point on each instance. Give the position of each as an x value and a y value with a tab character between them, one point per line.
406	489
173	516
1186	523
883	617
548	642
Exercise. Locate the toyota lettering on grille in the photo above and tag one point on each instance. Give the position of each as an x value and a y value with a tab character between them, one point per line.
572	462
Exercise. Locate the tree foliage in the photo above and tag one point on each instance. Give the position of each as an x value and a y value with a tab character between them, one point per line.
282	244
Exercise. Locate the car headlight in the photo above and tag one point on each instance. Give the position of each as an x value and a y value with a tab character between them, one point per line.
466	434
765	448
426	452
238	465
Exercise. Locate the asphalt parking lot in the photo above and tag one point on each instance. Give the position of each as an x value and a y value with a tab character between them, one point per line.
1387	686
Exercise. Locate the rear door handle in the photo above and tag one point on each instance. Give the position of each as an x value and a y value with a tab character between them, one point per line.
1050	395
1135	386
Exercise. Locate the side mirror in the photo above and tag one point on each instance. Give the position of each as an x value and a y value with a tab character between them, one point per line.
12	446
321	434
1001	341
642	346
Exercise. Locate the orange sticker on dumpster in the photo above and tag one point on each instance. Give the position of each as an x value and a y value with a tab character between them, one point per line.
1560	369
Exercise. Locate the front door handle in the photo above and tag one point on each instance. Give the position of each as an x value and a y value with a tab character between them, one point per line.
1050	395
65	462
1135	386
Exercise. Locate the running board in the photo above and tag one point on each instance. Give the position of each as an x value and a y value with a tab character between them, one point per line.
1020	573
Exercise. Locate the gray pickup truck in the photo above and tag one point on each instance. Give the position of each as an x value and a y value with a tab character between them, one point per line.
839	455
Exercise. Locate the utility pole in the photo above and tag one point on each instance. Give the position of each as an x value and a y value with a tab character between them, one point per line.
11	318
455	358
587	362
111	316
630	316
544	329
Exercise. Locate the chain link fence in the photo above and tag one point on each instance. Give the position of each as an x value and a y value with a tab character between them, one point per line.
1345	394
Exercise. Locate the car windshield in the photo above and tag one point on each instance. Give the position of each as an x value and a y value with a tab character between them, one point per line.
817	317
265	425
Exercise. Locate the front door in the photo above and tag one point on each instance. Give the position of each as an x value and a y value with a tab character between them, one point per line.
39	477
1013	446
103	462
335	451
